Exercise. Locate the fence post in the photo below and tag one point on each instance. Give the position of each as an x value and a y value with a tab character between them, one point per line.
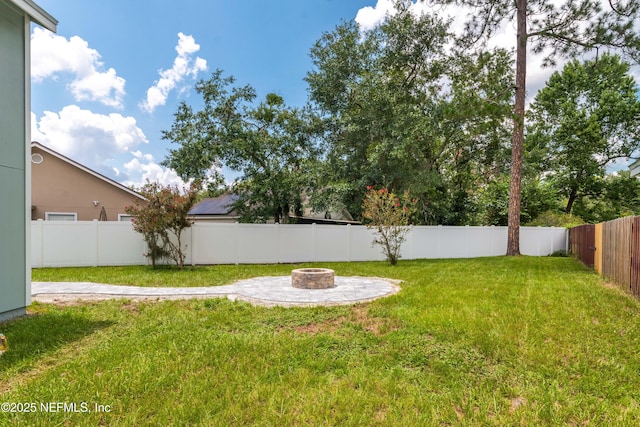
411	238
466	243
314	255
277	243
348	242
191	249
41	242
237	225
97	237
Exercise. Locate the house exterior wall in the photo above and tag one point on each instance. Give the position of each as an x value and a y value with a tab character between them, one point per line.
58	186
13	202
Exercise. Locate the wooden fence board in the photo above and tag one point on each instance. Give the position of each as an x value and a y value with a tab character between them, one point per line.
617	236
582	243
597	255
634	282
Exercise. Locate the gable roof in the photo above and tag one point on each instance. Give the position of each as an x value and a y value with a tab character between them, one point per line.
87	170
221	205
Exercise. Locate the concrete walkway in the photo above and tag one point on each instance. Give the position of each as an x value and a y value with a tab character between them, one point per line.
269	291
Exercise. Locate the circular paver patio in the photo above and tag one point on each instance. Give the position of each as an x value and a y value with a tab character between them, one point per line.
269	291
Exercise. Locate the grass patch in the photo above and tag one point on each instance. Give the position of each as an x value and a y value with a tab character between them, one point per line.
493	341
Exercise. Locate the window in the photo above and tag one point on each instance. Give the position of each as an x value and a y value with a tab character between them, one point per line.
61	216
124	217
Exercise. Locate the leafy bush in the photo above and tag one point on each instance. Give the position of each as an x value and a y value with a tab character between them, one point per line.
555	219
161	216
389	215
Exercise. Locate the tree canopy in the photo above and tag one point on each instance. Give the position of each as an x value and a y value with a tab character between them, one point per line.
586	116
268	143
410	106
401	113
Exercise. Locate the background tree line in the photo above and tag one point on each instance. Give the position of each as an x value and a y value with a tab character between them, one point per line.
408	106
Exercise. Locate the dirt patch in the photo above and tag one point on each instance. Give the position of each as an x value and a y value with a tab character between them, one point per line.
376	325
359	315
516	402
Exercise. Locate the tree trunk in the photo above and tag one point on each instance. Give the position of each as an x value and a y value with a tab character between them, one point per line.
572	198
517	141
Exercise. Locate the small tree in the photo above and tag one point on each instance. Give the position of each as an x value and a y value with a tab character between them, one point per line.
390	216
162	218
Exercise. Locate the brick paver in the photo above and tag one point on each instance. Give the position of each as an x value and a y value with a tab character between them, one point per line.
270	291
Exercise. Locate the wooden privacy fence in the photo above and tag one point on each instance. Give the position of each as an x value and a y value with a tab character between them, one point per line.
616	250
582	243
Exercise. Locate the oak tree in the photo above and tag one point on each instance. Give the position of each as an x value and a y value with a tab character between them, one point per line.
587	116
269	144
403	114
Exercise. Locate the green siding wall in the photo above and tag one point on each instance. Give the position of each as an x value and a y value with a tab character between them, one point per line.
13	265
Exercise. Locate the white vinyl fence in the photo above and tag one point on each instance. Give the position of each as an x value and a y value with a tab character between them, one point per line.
94	243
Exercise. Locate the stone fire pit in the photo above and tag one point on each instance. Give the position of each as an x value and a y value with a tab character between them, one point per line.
312	278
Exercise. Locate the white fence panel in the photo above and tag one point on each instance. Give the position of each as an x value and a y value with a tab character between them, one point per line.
215	243
499	243
423	242
332	243
69	242
258	243
295	244
37	248
360	246
540	241
87	243
118	244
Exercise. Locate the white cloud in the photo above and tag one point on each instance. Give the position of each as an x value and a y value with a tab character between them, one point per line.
183	66
145	169
86	137
52	55
98	141
370	17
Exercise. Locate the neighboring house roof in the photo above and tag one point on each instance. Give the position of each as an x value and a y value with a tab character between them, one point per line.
221	205
321	220
87	170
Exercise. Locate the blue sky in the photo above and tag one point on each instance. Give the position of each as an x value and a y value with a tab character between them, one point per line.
107	84
90	80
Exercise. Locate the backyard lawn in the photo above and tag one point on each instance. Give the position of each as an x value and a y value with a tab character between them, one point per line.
491	341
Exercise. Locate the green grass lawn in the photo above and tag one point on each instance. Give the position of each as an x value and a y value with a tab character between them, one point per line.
493	341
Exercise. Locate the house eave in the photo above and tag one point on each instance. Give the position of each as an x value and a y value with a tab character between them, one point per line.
37	14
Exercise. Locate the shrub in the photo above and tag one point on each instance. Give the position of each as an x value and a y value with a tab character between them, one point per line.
162	218
389	215
555	219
